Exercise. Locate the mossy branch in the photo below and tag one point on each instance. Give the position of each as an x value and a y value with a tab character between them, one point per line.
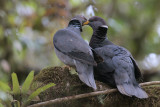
108	91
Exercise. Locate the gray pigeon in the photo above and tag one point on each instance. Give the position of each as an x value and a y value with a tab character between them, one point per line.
119	68
73	51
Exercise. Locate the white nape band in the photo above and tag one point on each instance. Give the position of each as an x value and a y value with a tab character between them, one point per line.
105	26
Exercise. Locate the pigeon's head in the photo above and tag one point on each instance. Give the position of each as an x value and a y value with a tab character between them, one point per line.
95	22
80	18
78	21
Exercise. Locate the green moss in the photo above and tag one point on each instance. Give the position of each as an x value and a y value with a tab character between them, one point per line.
68	84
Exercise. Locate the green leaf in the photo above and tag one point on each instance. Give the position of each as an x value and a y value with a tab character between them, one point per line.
39	90
4	87
27	82
15	83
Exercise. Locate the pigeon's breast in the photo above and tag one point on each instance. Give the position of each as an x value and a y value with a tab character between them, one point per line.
64	58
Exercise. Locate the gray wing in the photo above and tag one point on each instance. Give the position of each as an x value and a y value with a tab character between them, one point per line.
71	44
125	77
124	71
124	52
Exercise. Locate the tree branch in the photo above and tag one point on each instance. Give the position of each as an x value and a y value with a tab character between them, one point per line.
108	91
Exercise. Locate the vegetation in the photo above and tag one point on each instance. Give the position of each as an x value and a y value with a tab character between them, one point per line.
27	28
20	96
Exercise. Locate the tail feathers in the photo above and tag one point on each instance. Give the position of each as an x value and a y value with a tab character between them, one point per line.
140	93
85	73
122	90
88	79
130	90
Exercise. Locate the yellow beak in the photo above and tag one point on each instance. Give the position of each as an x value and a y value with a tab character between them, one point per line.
86	23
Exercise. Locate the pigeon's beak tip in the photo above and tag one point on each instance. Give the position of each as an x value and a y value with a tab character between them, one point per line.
85	23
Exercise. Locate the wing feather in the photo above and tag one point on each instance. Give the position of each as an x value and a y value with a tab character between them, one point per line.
71	44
